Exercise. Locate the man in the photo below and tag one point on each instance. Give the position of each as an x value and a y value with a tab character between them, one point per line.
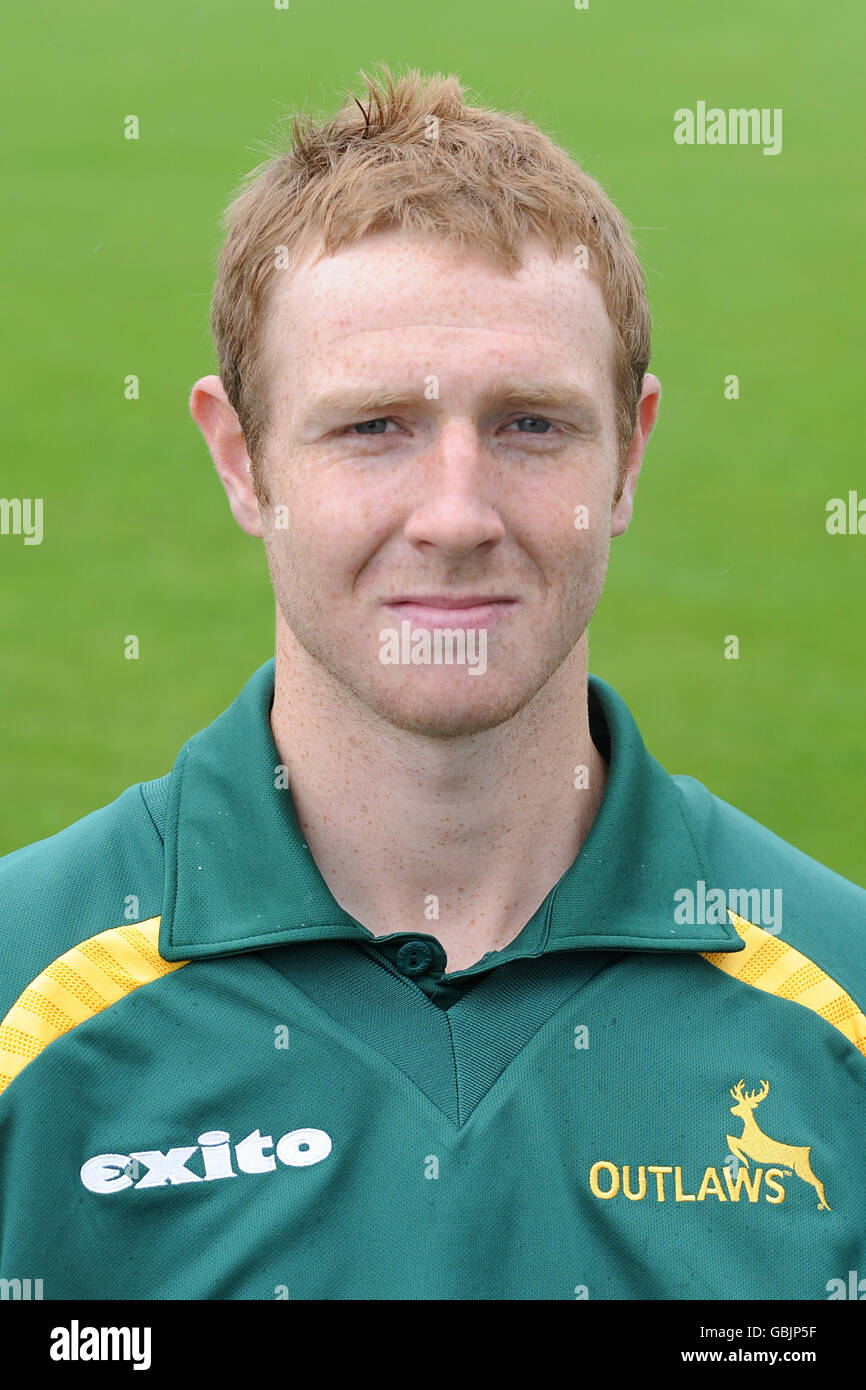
417	977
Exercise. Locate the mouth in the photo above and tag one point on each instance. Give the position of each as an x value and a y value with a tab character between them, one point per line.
451	610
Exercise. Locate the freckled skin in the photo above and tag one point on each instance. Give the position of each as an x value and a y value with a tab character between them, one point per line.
415	780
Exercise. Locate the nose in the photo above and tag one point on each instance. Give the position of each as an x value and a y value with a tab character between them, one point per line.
457	510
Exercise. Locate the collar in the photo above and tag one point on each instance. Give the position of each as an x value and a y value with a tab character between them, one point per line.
239	876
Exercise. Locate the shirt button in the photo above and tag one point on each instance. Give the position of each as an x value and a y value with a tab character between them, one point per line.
413	958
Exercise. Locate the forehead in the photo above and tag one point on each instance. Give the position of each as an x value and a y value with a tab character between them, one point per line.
427	304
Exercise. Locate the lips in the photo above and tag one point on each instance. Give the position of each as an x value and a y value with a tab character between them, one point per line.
450	600
451	610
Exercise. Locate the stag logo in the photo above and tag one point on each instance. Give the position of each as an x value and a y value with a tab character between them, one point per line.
754	1143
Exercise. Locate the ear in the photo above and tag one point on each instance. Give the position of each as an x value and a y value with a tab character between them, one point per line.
215	416
647	411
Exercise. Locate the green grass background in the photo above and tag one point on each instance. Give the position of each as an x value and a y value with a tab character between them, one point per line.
755	265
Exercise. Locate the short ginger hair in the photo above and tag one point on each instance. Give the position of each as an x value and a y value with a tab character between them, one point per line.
415	159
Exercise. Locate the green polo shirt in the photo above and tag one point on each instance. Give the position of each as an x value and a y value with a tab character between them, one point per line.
215	1083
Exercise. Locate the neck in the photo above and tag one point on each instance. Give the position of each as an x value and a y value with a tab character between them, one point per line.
487	822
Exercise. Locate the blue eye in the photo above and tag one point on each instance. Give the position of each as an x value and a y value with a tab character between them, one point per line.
533	420
371	426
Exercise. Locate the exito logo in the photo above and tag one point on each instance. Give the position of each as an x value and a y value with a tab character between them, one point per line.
608	1180
114	1172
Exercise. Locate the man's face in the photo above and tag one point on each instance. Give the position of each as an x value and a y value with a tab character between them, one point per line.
435	424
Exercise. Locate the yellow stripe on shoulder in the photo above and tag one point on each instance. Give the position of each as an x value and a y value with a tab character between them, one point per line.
772	965
80	983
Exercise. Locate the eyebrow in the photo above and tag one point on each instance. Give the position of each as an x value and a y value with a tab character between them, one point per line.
352	403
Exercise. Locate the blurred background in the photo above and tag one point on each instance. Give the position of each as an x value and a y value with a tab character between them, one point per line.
754	266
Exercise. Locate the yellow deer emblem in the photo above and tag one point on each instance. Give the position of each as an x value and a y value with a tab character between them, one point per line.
759	1146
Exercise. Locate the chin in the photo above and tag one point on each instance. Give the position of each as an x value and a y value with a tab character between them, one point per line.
448	714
